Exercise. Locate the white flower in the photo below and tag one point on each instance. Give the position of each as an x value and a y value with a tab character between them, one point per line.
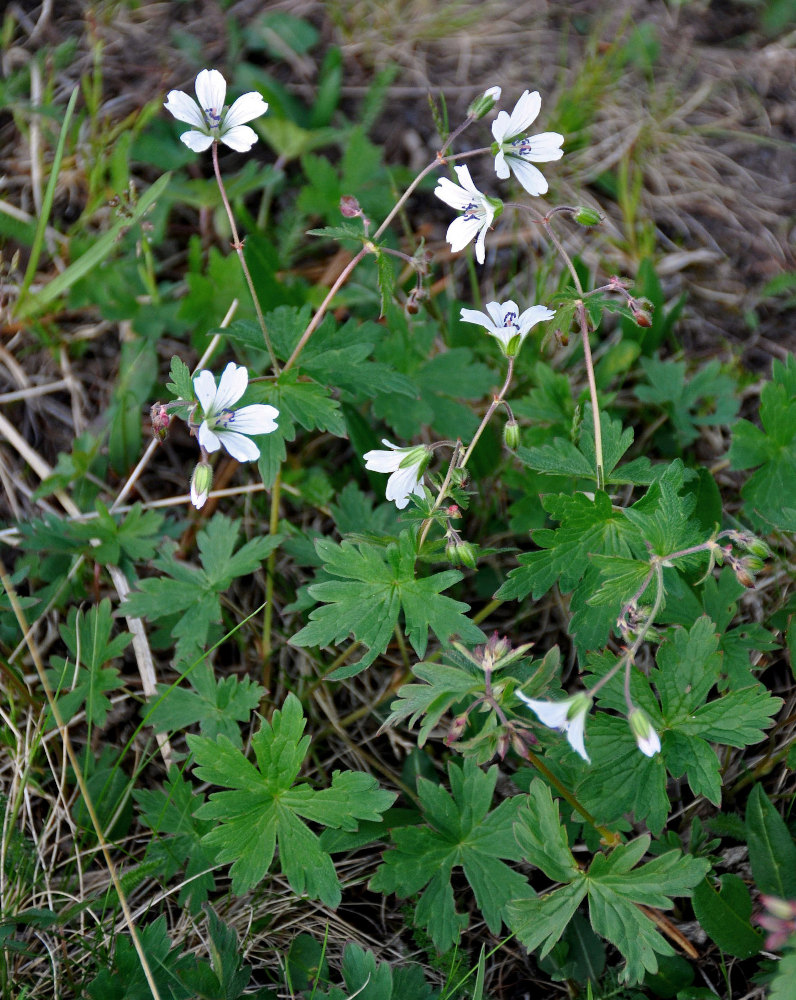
209	118
407	466
567	716
504	321
223	425
514	153
647	739
478	212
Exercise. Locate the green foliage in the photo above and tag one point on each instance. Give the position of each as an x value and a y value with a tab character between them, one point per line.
82	682
613	885
459	830
771	450
267	808
187	597
724	914
374	586
772	852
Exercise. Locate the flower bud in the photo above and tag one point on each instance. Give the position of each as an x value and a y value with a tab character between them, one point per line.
201	483
647	739
503	743
460	552
161	419
457	728
586	216
349	207
511	434
484	103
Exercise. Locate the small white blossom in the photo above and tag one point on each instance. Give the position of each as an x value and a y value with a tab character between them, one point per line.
647	740
223	425
209	118
514	152
504	321
407	466
477	210
566	716
201	481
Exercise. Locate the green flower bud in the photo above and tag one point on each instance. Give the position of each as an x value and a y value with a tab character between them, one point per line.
511	434
460	552
484	103
201	482
587	216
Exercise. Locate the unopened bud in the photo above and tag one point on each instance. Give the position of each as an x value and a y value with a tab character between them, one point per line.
647	739
161	419
587	216
641	316
349	207
452	510
511	434
457	728
201	483
503	743
460	552
484	103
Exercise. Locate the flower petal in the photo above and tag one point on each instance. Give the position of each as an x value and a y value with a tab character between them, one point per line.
501	167
238	445
382	461
500	126
528	175
451	193
575	731
257	418
474	316
550	713
232	386
543	148
245	109
461	232
184	108
204	385
241	138
480	244
208	439
401	484
211	90
466	181
197	499
532	316
524	114
197	141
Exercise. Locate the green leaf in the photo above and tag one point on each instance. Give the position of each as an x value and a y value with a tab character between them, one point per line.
219	705
181	385
445	685
541	837
771	450
263	808
724	916
83	681
459	831
772	853
785	976
191	596
375	585
177	845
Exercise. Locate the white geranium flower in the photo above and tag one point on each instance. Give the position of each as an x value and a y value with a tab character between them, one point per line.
513	153
647	740
504	321
210	120
478	211
223	425
566	716
407	466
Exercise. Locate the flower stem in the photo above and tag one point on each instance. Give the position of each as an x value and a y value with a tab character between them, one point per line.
584	334
238	246
270	569
321	311
496	401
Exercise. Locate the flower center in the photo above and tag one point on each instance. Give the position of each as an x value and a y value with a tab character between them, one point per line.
213	117
523	146
472	211
510	320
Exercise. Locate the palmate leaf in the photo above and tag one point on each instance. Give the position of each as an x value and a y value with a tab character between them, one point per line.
375	586
264	810
771	451
196	592
615	886
459	831
83	681
688	666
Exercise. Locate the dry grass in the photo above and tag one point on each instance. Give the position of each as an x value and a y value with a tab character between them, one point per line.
708	132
